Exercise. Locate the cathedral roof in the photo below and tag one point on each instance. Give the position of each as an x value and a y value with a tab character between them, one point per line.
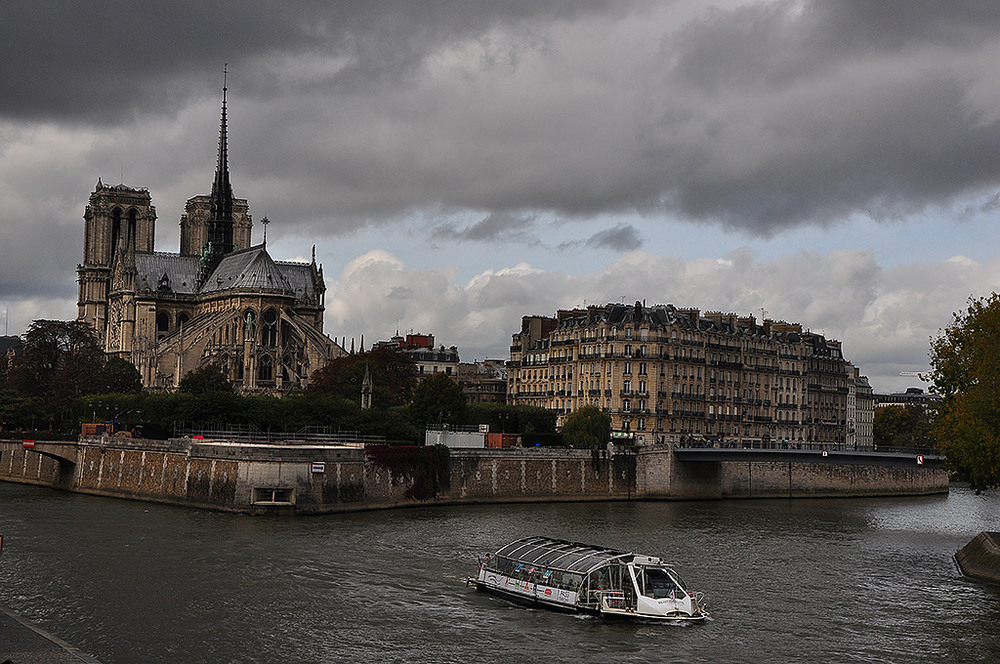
301	278
251	268
165	271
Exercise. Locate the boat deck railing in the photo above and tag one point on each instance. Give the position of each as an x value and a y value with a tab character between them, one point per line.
612	599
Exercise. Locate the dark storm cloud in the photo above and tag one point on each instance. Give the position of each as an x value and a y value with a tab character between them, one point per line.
890	24
841	108
38	264
621	238
497	226
107	60
757	117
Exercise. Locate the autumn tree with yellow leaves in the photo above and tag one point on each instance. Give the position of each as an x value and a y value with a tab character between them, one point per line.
965	359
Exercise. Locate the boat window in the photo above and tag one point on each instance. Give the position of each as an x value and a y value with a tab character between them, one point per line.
657	584
502	565
524	572
565	580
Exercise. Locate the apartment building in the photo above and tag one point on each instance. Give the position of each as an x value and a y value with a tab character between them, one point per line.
665	374
429	359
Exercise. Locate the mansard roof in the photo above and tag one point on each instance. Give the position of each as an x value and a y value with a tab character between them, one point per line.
666	315
620	314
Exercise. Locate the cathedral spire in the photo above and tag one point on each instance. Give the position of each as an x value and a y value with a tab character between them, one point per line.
222	190
220	219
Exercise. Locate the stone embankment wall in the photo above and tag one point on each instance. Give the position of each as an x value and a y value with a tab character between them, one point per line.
532	474
290	478
241	478
980	558
659	475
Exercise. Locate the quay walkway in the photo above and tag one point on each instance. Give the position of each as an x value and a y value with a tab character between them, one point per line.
22	642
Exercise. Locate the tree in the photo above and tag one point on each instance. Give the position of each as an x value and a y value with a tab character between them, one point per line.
205	380
587	427
966	373
437	399
503	418
903	426
121	377
60	360
394	377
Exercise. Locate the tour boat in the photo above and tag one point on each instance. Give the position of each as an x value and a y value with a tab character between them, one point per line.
569	576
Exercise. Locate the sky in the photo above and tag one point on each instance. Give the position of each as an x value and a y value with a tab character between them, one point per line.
458	164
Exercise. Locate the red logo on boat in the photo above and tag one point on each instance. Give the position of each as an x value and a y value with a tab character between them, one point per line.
548	591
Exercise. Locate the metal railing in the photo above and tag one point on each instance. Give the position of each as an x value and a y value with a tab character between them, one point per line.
312	435
736	444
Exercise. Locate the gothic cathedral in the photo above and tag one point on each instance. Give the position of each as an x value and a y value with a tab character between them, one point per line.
219	301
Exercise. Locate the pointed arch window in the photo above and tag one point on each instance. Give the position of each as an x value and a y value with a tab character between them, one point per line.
162	324
269	328
116	230
265	369
133	218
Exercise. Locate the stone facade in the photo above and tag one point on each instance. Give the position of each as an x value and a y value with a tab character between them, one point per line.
221	300
666	375
860	411
427	359
483	381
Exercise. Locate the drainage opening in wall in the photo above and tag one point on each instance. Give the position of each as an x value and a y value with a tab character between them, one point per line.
273	496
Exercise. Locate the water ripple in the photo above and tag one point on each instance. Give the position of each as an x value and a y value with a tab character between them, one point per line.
858	580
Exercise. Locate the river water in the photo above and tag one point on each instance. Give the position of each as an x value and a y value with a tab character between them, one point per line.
826	580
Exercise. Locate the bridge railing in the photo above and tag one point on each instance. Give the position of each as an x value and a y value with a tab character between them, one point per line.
732	444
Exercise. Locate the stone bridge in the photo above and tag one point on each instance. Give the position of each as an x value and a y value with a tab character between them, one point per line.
65	452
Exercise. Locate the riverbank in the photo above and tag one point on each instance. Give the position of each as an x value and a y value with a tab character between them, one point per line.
293	478
23	641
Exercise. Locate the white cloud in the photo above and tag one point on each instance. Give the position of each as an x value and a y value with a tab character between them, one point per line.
884	318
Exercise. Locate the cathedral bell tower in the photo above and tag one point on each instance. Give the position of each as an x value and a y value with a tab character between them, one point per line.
117	219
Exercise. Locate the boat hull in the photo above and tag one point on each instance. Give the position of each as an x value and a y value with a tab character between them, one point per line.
532	599
523	598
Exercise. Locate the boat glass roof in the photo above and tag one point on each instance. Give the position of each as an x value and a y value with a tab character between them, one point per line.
560	554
